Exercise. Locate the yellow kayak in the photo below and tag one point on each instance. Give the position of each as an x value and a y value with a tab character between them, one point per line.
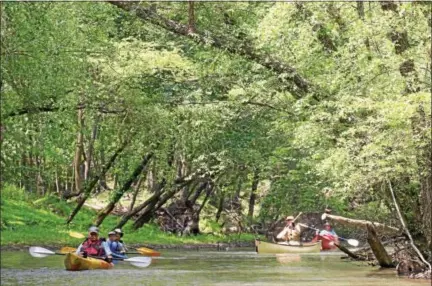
267	247
74	262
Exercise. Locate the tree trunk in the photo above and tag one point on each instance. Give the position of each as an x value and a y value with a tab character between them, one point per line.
252	197
86	194
220	207
148	213
137	189
79	153
361	223
57	184
191	22
349	253
360	9
420	127
235	204
210	187
119	194
150	202
198	192
89	156
378	249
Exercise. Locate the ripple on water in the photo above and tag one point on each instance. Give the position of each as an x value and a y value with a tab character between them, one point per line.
203	268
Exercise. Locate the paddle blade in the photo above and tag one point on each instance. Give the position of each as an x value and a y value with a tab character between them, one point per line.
139	261
67	249
40	252
353	242
148	251
76	234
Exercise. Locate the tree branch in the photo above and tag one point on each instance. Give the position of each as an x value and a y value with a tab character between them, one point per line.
52	108
405	228
298	85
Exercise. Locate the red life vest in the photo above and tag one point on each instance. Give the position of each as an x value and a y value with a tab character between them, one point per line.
327	242
93	248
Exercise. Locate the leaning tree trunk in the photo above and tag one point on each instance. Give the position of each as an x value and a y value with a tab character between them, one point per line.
210	187
86	194
361	223
384	259
135	194
149	212
119	194
377	247
149	202
198	192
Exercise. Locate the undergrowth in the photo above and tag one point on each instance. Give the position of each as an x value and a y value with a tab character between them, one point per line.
26	220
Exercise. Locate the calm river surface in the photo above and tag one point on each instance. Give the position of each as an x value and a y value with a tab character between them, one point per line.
203	267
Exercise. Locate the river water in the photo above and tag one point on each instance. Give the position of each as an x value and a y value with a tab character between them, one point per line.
234	267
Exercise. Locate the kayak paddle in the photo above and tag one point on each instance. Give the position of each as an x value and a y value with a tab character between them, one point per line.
41	252
76	234
142	251
353	242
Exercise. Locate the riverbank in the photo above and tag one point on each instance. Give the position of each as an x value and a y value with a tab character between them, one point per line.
26	222
222	246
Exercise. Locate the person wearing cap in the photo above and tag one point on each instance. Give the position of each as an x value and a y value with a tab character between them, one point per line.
94	245
119	235
327	236
291	232
115	246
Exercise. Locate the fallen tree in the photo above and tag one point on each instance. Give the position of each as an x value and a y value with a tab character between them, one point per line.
381	255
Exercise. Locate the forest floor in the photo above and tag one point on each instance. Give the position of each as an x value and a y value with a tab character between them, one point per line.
41	222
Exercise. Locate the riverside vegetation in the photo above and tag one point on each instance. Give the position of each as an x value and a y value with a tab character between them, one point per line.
213	117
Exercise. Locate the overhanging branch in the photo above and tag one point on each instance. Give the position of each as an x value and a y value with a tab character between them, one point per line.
52	108
298	85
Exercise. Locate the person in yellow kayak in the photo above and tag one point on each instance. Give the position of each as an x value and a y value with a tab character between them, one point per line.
115	246
95	246
291	232
119	235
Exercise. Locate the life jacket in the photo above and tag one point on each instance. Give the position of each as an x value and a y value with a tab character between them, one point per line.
327	240
114	246
124	245
93	248
292	234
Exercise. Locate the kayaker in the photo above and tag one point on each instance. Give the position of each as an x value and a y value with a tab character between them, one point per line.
115	246
95	246
119	235
327	236
291	232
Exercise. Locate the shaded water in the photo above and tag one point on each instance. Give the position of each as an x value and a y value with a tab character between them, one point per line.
203	268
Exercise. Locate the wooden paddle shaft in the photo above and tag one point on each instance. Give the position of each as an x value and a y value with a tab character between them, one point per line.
297	216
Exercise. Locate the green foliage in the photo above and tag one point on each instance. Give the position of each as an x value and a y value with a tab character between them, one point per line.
216	105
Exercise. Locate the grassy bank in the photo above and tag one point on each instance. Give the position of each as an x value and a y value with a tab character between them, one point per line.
26	220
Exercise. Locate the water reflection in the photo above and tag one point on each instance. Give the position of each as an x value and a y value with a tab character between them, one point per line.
287	258
203	268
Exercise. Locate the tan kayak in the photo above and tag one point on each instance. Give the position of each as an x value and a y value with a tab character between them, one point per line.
74	262
268	247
